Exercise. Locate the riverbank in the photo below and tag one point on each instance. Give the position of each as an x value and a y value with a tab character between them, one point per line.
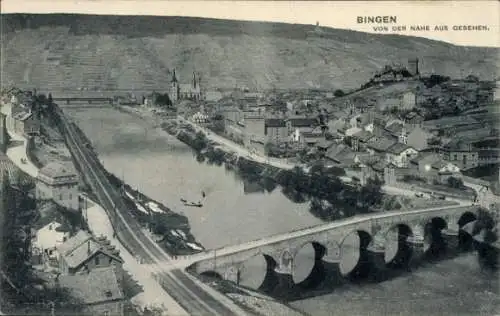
171	230
330	198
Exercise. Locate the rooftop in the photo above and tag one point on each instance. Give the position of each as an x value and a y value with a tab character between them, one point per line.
80	248
458	145
58	169
339	153
98	286
380	143
450	121
398	148
23	115
363	136
273	122
77	240
395	128
303	121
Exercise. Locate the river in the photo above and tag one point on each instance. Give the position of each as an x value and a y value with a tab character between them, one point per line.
165	169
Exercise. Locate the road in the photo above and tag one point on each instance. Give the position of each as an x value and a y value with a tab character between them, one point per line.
195	297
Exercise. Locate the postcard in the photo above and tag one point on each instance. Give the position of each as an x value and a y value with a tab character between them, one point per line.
249	157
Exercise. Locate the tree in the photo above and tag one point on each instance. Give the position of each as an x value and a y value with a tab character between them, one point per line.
163	100
371	193
200	142
456	183
338	93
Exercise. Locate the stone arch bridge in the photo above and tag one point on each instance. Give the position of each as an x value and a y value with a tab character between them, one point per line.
366	244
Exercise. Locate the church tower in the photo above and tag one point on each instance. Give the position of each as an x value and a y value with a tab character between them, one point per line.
196	86
174	88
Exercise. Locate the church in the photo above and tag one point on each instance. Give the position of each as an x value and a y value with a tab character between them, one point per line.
185	91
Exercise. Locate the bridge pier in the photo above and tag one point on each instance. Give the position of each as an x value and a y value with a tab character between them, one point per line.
418	252
285	287
488	255
451	238
377	269
332	274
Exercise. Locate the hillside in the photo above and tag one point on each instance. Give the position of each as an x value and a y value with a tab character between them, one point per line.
57	51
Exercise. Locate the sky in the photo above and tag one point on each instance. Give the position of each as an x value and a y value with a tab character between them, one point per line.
336	14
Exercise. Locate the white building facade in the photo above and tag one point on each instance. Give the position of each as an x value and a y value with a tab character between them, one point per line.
58	182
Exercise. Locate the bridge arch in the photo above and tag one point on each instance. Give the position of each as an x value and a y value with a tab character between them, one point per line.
354	256
307	263
397	249
466	224
258	272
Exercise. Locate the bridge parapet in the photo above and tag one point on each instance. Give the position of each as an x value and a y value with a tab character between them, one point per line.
281	252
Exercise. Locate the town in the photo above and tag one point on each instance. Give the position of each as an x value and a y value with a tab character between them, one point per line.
431	135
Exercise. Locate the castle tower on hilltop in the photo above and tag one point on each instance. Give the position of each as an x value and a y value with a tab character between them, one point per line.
413	66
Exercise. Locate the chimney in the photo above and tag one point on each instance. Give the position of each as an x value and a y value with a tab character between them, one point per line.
88	247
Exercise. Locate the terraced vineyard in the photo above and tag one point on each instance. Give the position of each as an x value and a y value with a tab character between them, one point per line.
81	52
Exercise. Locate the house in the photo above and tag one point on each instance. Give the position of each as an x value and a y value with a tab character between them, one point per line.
408	100
307	135
99	291
26	124
379	144
275	130
367	160
489	156
58	182
462	154
340	154
82	253
432	166
254	126
399	154
359	140
389	103
295	123
323	146
313	137
395	128
46	240
413	118
232	116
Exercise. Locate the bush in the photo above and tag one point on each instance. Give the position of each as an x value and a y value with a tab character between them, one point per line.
338	93
456	183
